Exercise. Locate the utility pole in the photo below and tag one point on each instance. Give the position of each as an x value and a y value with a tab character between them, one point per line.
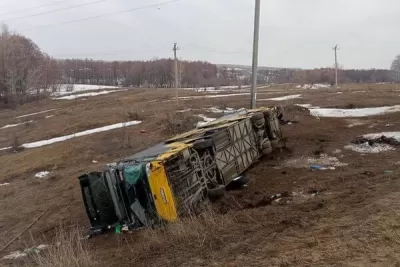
176	71
255	55
336	65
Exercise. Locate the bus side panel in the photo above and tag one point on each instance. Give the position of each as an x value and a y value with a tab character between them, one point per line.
162	193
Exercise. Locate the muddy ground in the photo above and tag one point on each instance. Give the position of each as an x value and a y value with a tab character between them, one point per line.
288	215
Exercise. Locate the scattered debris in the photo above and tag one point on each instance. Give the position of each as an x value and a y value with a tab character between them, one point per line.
20	254
42	174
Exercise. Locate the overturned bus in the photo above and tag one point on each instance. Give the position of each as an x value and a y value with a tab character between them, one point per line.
172	179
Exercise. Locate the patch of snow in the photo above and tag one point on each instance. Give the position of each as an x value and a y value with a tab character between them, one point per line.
213	89
353	123
282	98
42	174
217	110
15	125
315	86
79	134
47	117
31	114
366	148
395	135
209	96
72	97
339	93
15	255
305	105
5	148
42	246
3	184
94	161
20	254
305	162
205	120
65	89
354	92
358	112
337	151
184	110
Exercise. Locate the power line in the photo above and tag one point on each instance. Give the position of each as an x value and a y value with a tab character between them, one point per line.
118	52
107	14
56	10
212	50
30	8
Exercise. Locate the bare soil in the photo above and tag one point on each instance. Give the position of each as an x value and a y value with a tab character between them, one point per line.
288	215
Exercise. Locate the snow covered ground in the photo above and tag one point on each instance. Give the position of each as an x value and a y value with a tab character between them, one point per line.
282	98
367	148
218	110
356	112
375	147
212	89
32	114
205	120
395	135
313	86
42	174
208	96
15	125
79	134
66	89
72	97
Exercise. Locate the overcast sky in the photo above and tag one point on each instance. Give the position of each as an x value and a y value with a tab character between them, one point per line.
294	33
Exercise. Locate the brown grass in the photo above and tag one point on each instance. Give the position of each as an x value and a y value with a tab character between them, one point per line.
175	123
67	250
202	232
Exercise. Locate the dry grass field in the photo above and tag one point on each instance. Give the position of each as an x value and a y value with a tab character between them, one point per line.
289	214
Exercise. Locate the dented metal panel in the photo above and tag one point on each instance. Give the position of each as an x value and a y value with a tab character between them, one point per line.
236	149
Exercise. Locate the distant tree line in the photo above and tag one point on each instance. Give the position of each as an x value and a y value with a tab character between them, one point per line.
326	75
157	73
27	73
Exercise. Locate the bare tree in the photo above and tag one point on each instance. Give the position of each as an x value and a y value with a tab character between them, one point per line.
24	69
396	68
